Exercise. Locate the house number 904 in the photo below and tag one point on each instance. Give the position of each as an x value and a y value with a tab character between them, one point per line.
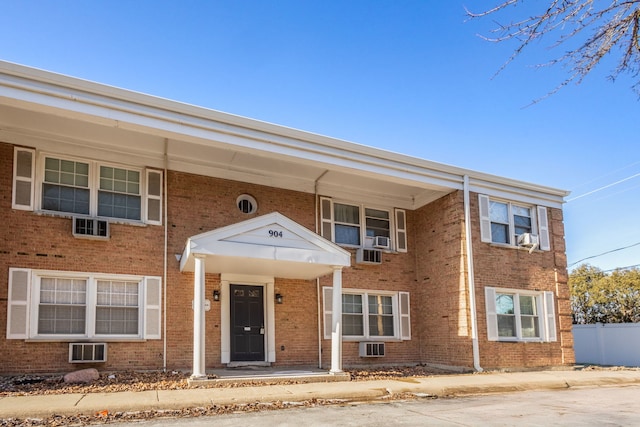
275	233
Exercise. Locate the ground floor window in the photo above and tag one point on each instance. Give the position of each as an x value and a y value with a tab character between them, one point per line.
58	305
370	314
519	315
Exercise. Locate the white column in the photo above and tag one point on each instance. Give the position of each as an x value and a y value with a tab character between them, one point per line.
336	322
198	318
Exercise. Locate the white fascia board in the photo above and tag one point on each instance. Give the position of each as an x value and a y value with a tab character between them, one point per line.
526	193
118	107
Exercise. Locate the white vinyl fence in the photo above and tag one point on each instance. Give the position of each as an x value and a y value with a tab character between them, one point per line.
615	344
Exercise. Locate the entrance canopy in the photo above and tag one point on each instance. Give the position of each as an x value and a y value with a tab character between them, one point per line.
269	245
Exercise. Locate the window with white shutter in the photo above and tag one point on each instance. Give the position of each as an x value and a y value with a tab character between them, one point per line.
504	222
363	226
65	306
519	315
370	314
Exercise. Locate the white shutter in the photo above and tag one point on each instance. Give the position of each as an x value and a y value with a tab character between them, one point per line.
327	298
543	229
485	218
18	303
401	230
326	218
405	315
154	197
492	316
23	178
550	317
152	308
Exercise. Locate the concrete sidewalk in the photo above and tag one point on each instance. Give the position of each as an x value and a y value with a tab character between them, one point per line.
446	385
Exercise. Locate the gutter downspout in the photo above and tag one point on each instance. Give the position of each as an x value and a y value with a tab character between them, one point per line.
166	248
470	277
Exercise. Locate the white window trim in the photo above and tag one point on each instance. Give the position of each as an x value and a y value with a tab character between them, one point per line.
94	186
393	230
398	334
145	307
539	223
546	315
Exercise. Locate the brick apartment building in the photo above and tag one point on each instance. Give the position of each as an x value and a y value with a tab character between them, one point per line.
142	233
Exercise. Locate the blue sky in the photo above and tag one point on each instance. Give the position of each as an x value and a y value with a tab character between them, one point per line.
407	76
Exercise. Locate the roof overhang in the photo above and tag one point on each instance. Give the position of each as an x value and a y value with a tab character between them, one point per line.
269	245
71	116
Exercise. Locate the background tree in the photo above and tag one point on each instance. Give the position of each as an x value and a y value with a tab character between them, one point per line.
597	28
606	298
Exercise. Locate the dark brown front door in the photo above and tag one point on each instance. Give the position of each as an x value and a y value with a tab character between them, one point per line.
247	323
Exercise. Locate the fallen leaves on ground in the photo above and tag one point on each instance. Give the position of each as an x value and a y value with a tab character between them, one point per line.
110	382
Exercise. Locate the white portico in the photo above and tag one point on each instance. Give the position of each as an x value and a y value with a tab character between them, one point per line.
254	253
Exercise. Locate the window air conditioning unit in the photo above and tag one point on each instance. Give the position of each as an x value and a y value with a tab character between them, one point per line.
87	352
368	256
381	242
90	228
372	349
528	240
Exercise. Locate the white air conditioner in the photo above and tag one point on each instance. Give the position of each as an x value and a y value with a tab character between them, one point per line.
90	228
87	352
368	256
381	242
528	240
372	349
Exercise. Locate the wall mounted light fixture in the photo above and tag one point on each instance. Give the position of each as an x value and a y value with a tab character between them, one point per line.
216	295
279	298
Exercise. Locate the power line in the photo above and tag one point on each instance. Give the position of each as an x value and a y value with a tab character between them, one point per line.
629	267
604	187
604	253
606	175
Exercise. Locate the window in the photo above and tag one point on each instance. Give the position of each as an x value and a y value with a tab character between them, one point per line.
62	308
117	307
69	305
87	188
502	222
359	225
119	193
65	187
377	223
347	224
520	315
370	314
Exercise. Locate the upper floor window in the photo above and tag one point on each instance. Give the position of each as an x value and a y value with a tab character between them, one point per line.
505	222
362	226
89	188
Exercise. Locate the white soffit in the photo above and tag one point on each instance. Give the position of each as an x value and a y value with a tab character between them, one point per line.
44	107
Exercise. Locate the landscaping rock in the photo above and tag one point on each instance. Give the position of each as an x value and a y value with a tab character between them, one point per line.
83	376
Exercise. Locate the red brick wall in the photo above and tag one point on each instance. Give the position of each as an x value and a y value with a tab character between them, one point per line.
518	269
29	240
433	271
437	240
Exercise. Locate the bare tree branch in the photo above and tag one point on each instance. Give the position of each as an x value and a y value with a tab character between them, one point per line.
602	28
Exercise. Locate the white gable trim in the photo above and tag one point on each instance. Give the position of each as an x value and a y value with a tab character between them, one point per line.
281	246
